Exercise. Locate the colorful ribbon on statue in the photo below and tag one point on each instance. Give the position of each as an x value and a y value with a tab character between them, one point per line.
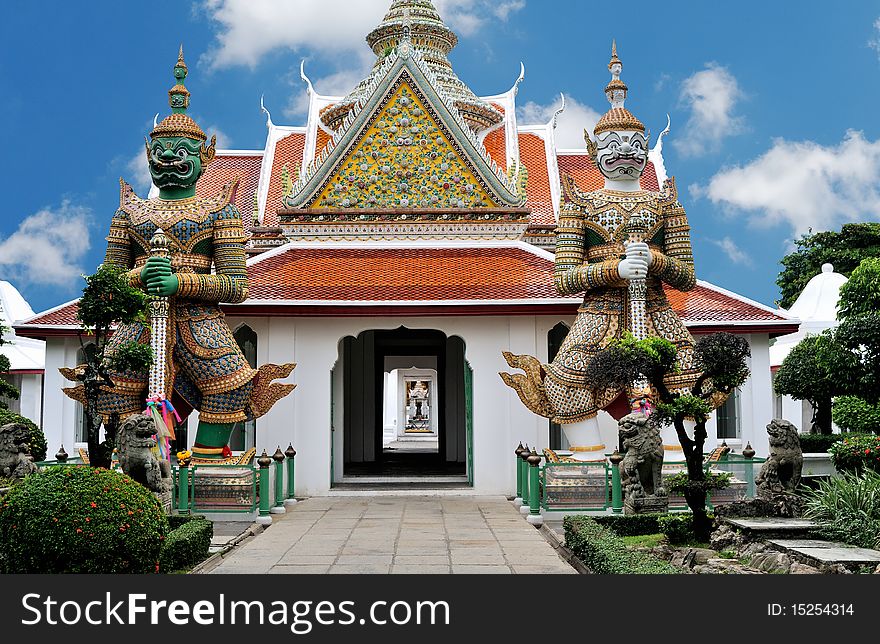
161	409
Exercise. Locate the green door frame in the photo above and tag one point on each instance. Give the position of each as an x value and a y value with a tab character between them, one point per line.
469	419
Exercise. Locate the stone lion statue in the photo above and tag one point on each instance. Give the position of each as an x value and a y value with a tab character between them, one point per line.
642	465
15	452
135	443
781	474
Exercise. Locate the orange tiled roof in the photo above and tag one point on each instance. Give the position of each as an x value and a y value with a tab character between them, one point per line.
338	274
288	151
496	146
402	274
588	178
533	154
322	141
226	168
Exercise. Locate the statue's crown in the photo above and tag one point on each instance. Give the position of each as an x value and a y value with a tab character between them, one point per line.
178	123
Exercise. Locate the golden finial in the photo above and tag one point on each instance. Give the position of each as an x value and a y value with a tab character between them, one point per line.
614	59
180	61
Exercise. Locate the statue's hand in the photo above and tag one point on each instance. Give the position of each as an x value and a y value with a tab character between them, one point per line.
638	259
158	278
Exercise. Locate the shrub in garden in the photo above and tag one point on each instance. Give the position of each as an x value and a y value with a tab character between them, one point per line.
856	452
630	525
819	443
677	528
856	415
80	520
605	553
847	509
679	483
37	440
186	545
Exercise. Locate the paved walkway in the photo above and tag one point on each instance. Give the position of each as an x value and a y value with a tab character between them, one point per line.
397	535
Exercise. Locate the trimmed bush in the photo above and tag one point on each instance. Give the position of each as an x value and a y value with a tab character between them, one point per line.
605	553
186	545
177	520
847	509
819	443
630	525
678	528
856	415
80	520
37	440
856	453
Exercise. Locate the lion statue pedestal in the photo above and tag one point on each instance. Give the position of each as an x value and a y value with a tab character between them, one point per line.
641	470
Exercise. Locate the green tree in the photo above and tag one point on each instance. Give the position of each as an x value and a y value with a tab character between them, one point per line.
803	376
845	249
6	388
107	300
722	358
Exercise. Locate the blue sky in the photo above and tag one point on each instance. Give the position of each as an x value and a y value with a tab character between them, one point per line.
773	106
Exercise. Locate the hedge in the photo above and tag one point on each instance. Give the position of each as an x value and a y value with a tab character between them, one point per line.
80	520
37	440
605	553
819	443
186	545
630	525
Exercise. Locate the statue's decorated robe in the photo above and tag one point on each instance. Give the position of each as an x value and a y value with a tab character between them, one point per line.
208	370
593	229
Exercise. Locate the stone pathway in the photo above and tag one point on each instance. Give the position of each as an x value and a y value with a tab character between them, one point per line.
397	535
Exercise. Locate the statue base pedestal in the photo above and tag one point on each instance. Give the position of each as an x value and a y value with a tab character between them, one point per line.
165	499
647	505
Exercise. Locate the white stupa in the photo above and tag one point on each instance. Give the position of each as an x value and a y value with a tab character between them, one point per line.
816	308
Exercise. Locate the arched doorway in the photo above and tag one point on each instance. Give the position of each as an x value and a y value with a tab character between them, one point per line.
400	401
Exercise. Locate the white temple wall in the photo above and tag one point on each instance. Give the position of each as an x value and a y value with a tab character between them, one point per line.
60	413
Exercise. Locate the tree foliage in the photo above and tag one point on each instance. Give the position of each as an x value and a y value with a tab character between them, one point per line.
108	299
723	361
6	388
845	250
803	376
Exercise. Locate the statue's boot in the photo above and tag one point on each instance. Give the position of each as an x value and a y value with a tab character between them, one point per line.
585	441
529	385
211	441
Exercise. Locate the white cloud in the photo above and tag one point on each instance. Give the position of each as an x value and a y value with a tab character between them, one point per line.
803	184
712	96
570	130
504	9
733	252
874	42
48	246
247	30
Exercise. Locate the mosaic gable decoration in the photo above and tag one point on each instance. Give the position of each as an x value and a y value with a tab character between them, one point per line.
405	117
404	160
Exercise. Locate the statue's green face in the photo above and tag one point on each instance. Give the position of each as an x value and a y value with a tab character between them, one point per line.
175	162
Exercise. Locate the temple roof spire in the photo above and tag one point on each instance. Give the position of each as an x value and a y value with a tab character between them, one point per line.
419	22
618	117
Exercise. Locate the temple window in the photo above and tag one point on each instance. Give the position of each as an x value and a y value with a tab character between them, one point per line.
729	415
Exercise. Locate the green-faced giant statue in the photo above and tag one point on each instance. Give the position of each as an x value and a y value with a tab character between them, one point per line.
206	370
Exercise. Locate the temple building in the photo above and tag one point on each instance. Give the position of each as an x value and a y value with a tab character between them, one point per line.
27	356
401	241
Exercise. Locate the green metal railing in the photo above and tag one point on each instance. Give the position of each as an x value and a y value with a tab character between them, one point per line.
235	488
597	486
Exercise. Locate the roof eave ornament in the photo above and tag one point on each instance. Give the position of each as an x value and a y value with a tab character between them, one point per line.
522	75
302	74
265	111
559	112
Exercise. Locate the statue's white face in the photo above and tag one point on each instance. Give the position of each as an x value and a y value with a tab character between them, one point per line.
622	155
616	69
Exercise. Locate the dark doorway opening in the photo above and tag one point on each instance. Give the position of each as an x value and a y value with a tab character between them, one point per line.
367	452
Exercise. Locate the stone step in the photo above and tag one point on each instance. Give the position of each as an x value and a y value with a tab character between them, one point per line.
826	553
761	527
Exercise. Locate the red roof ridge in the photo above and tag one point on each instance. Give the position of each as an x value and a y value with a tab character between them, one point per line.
782	315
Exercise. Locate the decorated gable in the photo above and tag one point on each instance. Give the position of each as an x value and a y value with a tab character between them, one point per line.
404	158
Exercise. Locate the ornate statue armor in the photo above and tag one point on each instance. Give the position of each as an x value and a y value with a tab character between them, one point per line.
205	368
615	245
